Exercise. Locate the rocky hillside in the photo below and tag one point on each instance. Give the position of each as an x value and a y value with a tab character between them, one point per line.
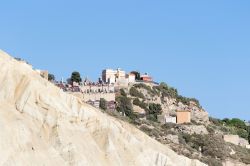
169	99
200	139
41	125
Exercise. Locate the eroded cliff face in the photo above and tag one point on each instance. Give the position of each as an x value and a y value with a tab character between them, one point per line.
41	125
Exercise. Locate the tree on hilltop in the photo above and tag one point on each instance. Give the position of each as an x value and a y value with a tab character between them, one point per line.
51	77
137	75
76	77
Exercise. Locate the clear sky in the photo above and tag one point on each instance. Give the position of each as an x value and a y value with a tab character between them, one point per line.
200	47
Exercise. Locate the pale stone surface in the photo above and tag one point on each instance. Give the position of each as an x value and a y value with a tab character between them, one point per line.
173	138
243	142
234	139
192	129
138	109
41	125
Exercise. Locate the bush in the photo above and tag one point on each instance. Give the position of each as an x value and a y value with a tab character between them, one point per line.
153	111
51	77
124	105
186	100
103	104
210	145
122	92
242	133
215	121
235	122
151	91
242	154
140	104
134	92
168	91
155	108
76	77
152	117
137	75
237	126
145	129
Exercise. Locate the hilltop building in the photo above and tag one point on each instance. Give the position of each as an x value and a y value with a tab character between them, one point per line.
111	76
146	77
130	77
117	77
183	116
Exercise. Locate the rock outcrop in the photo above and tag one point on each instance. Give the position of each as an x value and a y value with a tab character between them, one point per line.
41	125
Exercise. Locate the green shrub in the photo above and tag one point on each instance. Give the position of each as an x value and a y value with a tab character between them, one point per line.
242	154
76	77
242	133
168	91
51	77
122	92
236	126
210	145
152	91
153	111
235	122
186	100
145	129
137	75
124	105
136	101
215	121
103	104
140	104
134	92
155	108
152	117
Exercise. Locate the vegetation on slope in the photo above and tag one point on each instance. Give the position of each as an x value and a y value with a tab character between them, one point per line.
168	91
135	93
232	126
103	104
124	104
209	148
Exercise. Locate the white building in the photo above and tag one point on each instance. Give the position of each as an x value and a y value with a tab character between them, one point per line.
163	119
118	77
170	119
109	76
130	77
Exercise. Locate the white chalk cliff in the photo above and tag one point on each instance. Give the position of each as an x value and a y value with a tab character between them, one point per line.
41	125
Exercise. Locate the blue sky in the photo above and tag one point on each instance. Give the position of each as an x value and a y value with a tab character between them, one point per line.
200	47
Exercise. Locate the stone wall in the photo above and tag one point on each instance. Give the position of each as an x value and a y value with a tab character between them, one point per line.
98	96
